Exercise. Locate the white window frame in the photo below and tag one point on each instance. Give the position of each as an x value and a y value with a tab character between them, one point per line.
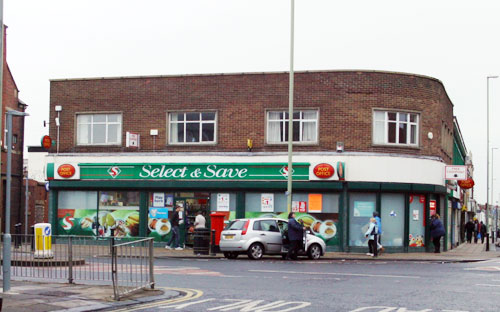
284	125
107	123
397	122
184	122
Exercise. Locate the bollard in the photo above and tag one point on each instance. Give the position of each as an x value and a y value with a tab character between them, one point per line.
375	252
492	237
212	249
487	242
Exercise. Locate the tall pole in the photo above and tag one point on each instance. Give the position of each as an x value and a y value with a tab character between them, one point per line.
290	112
492	188
26	205
488	146
7	242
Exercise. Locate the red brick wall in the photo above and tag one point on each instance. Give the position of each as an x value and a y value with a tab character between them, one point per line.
10	100
345	100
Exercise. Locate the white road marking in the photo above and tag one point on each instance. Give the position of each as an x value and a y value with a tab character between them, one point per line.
330	273
244	305
488	285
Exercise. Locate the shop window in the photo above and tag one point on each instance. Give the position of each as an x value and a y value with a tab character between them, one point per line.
395	128
192	127
361	208
118	213
77	213
305	126
99	129
417	221
392	215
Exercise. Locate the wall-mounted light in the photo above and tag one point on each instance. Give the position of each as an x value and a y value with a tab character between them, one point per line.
340	147
58	108
249	145
430	135
154	133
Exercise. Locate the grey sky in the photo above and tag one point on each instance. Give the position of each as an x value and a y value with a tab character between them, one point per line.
454	41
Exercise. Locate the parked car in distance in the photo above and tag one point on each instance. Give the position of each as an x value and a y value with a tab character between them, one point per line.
265	236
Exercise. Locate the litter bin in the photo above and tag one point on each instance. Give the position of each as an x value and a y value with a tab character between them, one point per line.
201	241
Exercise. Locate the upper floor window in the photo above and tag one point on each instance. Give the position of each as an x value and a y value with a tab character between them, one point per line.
99	129
192	128
305	126
396	128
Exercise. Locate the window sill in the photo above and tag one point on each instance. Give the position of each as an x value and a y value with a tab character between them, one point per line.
193	144
415	147
99	145
294	144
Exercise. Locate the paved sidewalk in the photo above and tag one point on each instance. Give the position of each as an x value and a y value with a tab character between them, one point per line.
462	253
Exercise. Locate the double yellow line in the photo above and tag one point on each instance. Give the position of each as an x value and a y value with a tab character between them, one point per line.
189	294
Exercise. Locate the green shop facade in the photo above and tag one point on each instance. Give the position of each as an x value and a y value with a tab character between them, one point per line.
135	199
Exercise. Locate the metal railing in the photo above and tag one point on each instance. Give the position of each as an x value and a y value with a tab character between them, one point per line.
127	263
132	266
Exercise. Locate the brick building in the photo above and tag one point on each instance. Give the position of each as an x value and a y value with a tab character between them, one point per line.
132	148
11	101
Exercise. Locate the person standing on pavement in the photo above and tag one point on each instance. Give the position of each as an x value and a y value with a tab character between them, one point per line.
437	231
476	230
370	234
469	229
380	248
200	221
174	222
483	230
295	234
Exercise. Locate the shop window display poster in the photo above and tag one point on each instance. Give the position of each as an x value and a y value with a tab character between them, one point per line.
315	203
223	202
363	208
267	202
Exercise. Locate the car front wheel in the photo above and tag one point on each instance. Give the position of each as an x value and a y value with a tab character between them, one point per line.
256	251
314	252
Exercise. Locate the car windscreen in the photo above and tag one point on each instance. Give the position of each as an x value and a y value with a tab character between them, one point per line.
236	225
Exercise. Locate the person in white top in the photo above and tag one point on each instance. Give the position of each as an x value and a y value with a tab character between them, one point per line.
370	234
199	221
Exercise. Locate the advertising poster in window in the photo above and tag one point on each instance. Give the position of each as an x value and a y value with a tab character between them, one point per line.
315	203
364	209
267	202
223	202
118	214
77	222
323	225
159	200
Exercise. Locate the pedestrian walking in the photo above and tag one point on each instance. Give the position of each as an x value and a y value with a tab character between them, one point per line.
370	234
200	221
380	248
476	230
295	234
469	230
437	231
483	230
174	222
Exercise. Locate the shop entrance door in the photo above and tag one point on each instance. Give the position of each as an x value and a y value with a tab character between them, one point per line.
192	203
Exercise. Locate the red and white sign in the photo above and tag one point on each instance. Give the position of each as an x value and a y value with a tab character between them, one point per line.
299	206
324	171
455	173
432	207
466	184
133	139
66	171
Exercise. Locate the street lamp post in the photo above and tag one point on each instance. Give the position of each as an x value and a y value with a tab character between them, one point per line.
7	242
488	148
290	112
492	188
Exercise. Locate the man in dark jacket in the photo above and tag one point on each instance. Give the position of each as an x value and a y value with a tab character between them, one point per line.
295	234
437	231
174	223
483	230
469	229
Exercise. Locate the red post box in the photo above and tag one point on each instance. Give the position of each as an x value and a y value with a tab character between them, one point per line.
217	224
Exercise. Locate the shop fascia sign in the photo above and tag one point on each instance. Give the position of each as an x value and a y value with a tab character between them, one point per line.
201	171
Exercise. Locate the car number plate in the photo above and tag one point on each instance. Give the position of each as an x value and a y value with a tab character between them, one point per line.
228	236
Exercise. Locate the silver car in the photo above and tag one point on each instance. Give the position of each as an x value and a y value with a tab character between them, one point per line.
260	236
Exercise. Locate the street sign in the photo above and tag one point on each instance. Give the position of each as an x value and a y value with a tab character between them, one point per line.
455	173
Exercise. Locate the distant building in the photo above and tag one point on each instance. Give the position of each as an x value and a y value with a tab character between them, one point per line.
130	149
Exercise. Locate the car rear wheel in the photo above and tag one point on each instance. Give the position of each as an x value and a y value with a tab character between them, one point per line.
256	251
230	254
314	252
